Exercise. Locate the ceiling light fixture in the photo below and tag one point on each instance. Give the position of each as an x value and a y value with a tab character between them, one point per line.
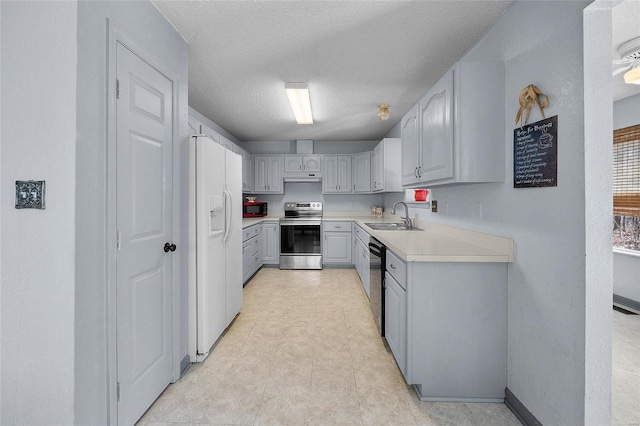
384	112
633	76
298	94
629	52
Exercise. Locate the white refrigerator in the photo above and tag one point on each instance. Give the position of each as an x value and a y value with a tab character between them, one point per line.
215	242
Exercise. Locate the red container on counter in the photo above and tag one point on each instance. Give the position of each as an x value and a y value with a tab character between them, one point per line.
421	194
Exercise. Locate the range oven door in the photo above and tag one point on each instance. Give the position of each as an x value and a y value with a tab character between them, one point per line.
300	244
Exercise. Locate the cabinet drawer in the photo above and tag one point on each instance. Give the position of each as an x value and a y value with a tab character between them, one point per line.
362	235
337	226
251	232
256	245
397	269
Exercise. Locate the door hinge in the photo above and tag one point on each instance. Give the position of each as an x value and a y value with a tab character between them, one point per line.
118	391
118	240
117	89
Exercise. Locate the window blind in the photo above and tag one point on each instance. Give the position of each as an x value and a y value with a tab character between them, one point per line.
626	171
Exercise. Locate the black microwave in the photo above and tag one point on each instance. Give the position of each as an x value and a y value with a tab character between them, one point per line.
254	209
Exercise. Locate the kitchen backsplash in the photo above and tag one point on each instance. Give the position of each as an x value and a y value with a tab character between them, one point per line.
298	191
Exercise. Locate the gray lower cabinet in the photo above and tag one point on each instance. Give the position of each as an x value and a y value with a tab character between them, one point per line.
456	329
395	315
395	320
252	251
336	248
271	240
361	256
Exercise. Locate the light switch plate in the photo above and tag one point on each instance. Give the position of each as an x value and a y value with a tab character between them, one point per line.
30	194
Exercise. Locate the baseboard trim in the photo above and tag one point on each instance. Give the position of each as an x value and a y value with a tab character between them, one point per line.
184	365
625	302
522	413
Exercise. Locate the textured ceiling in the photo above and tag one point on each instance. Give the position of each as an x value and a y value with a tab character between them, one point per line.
354	55
626	25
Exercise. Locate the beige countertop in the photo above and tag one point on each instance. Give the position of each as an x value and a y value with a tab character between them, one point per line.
436	243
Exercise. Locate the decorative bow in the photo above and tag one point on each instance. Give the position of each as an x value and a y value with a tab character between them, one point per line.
529	96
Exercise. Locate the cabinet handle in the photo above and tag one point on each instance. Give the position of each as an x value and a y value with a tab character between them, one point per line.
336	187
392	266
415	173
304	167
419	171
354	186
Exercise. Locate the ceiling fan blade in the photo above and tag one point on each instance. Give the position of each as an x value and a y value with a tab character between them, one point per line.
621	70
622	61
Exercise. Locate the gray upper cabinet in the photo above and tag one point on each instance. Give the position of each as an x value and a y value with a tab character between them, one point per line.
362	172
246	171
194	126
297	164
455	133
337	174
386	166
268	174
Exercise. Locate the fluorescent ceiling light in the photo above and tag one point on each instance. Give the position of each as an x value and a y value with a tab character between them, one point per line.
632	76
298	94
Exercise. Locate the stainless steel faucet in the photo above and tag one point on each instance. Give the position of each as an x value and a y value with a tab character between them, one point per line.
406	220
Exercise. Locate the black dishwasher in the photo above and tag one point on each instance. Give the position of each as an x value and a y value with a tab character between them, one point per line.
377	261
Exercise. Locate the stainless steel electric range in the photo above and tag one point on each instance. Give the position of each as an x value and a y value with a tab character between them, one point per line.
301	236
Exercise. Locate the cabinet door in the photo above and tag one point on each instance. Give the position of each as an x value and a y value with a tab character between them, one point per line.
246	171
292	163
261	168
344	173
330	177
377	168
275	183
194	126
247	260
362	172
312	164
337	247
436	131
271	239
410	153
395	320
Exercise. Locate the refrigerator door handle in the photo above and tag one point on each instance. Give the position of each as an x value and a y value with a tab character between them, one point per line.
227	216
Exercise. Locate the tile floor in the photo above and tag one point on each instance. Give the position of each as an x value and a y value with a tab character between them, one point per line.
625	386
305	351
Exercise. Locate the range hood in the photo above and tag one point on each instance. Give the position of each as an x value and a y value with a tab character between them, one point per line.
302	178
303	147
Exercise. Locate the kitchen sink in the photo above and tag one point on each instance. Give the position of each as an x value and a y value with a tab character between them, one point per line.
399	226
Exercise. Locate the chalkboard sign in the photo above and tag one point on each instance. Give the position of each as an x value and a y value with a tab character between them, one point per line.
535	154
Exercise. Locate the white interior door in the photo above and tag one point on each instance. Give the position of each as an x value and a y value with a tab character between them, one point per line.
144	222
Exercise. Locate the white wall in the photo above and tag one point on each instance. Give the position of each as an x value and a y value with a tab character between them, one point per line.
38	141
626	112
299	191
142	22
540	44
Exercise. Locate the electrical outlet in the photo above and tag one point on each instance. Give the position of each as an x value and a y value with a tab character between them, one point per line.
30	194
434	206
478	211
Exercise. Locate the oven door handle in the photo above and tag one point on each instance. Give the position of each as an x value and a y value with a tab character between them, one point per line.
300	222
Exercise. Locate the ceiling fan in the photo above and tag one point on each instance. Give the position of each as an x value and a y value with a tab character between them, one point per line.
629	57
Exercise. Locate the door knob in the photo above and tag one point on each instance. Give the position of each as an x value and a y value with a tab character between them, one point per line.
169	247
